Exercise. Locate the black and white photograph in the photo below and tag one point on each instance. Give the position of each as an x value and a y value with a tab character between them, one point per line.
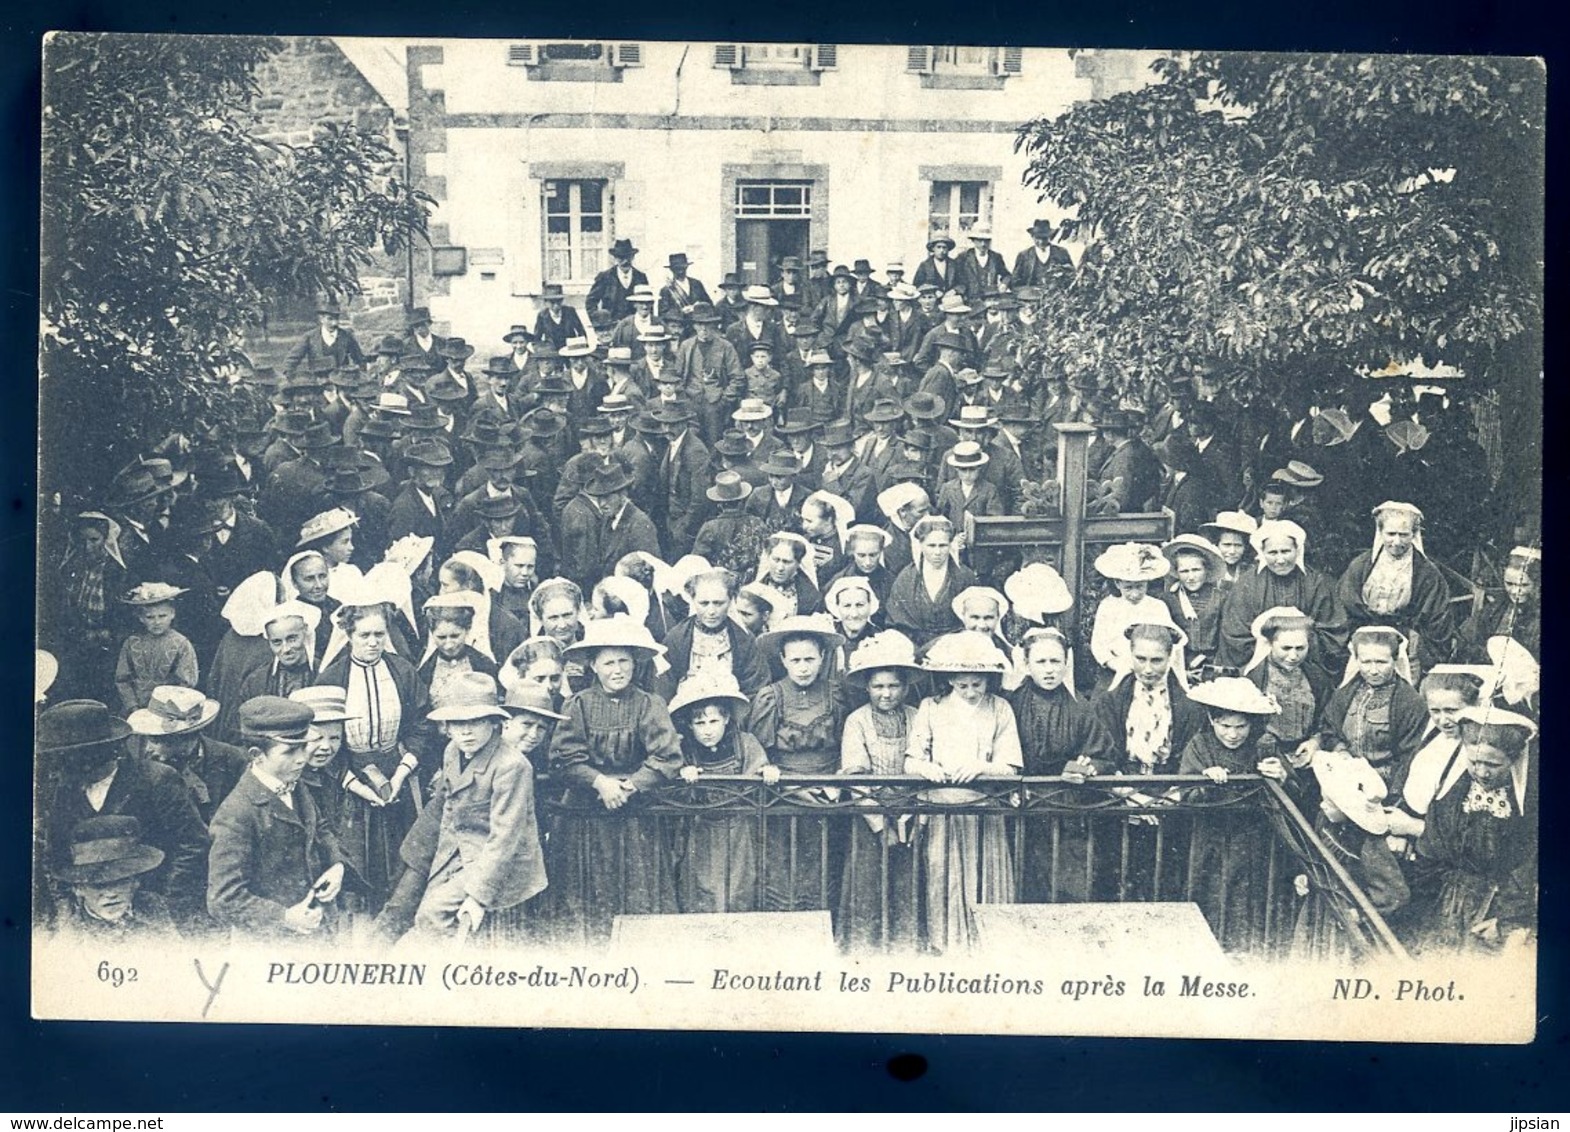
789	536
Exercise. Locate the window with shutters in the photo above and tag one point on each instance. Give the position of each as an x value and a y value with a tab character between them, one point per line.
575	61
577	219
958	206
964	68
776	64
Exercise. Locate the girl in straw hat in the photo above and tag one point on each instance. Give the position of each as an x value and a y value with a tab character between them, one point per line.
1231	898
1475	877
1133	568
964	733
616	743
881	865
716	863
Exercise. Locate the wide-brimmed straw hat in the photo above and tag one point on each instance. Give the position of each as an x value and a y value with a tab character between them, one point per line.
1234	694
1215	565
707	687
965	652
1354	787
173	710
1132	562
1038	591
817	625
468	696
325	524
618	631
1238	522
885	650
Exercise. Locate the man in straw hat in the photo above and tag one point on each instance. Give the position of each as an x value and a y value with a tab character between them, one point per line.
94	776
173	731
275	867
485	859
980	270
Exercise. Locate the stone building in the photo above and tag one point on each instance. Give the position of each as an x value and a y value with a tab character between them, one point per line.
541	153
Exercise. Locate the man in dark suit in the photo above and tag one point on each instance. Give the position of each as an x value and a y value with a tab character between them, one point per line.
271	846
418	341
611	287
836	313
980	271
294	489
1044	263
905	327
556	321
679	296
1130	459
684	477
601	525
422	506
242	541
83	746
937	269
327	348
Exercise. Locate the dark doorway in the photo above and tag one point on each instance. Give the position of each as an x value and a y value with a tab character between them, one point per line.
773	220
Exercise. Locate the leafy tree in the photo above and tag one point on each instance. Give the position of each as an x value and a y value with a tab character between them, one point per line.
1264	219
168	225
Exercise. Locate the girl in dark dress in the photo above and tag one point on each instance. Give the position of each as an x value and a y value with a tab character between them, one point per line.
1230	844
616	744
799	721
716	857
1059	735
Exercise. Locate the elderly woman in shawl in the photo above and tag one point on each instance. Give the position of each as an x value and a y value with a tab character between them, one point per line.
1395	584
1282	579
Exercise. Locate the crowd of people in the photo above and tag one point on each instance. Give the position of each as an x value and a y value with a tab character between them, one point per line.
410	648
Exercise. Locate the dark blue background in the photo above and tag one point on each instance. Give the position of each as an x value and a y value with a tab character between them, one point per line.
74	1067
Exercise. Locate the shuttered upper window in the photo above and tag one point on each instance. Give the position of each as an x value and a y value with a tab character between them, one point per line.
776	64
964	68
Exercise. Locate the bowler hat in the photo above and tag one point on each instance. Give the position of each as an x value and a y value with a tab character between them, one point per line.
731	279
500	365
781	464
108	848
623	249
417	316
677	259
862	267
1041	227
75	725
841	272
704	312
838	434
551	291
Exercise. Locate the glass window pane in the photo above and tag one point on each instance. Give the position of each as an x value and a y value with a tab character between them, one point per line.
556	196
970	197
558	225
590	195
593	224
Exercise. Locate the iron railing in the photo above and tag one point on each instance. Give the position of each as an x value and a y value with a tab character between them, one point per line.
1241	850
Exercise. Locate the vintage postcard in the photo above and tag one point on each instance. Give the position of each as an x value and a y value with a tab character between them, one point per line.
807	536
